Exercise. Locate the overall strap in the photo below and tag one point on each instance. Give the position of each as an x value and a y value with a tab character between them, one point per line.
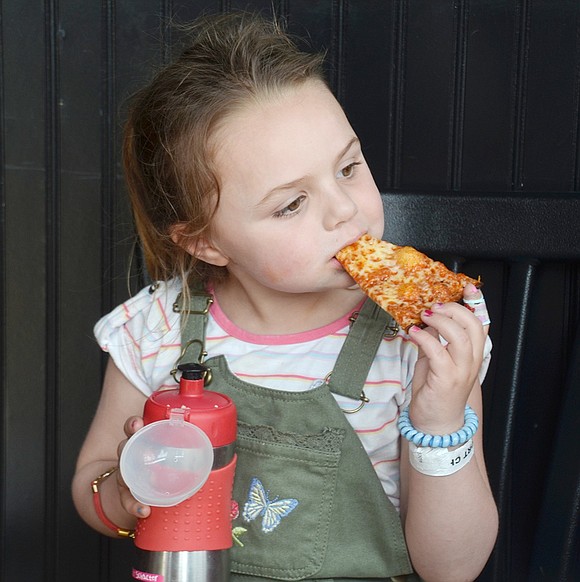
194	317
354	361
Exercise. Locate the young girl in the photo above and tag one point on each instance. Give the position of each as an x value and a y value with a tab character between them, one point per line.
246	179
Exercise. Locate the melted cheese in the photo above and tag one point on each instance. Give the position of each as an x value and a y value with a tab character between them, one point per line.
402	280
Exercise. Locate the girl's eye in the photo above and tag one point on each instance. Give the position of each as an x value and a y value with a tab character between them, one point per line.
348	171
292	208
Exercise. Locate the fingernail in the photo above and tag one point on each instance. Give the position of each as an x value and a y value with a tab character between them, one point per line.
437	305
471	288
414	328
140	510
428	313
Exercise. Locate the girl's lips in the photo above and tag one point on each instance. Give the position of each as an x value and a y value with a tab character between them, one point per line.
351	241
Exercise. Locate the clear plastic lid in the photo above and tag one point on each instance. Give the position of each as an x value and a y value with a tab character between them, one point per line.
167	461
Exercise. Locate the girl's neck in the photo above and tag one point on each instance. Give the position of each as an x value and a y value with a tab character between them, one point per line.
283	313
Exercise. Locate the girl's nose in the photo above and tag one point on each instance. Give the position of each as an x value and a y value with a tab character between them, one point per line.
340	208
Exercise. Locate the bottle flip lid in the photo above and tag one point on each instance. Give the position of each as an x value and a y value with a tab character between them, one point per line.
167	461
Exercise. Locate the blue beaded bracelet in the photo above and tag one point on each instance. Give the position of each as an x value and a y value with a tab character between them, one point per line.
421	439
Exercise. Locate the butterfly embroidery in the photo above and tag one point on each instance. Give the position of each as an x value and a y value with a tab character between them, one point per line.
272	512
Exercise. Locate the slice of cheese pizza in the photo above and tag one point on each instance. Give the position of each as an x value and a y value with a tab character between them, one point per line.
402	280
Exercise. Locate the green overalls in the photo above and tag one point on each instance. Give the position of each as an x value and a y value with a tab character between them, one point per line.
309	503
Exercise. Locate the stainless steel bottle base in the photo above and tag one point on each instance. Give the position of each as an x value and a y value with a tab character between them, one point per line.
203	566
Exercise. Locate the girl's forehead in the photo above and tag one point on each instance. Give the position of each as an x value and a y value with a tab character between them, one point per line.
309	109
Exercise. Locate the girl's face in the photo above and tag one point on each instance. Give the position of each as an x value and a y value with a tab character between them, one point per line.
295	189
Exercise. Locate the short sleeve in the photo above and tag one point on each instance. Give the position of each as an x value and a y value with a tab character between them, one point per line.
142	336
409	356
486	359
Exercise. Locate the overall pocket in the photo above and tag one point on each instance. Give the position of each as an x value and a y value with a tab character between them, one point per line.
284	489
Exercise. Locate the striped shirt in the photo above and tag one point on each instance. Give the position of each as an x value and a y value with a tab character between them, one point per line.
143	337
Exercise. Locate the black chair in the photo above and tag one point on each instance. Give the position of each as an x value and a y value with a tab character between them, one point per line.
555	555
526	248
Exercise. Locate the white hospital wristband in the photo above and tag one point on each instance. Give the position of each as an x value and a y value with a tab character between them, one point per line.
439	462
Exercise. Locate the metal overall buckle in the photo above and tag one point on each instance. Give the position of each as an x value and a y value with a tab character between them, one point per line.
363	398
391	330
178	308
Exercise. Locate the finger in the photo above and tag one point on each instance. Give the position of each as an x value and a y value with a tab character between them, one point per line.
456	312
431	347
425	330
120	447
439	392
132	425
462	332
130	504
474	300
465	318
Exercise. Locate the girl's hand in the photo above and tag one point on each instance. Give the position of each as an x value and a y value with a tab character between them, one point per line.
129	503
450	356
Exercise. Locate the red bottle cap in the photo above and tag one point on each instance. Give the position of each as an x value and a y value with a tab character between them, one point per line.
213	412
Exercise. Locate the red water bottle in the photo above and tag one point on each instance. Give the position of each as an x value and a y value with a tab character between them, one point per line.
189	542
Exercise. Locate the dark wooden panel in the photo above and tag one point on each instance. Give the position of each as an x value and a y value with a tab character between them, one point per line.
317	22
77	302
487	125
25	394
373	40
429	80
3	350
135	34
551	96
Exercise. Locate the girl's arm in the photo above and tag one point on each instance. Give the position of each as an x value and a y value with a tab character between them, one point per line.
450	522
118	416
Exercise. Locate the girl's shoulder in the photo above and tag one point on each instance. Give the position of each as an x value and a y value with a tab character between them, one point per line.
149	312
142	332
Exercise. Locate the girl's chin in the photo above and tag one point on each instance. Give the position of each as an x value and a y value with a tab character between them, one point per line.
352	285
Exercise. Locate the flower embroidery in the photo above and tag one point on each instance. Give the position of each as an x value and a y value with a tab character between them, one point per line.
235	511
237	531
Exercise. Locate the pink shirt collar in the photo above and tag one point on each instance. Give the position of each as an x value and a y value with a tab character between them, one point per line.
292	338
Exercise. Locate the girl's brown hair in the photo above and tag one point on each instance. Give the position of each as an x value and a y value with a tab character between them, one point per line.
173	186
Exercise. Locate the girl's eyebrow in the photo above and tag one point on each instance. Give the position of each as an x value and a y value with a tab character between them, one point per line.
292	184
353	140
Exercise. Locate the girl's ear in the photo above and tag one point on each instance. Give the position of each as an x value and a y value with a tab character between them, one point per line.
204	250
200	247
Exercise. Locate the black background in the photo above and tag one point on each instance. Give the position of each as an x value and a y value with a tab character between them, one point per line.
468	113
